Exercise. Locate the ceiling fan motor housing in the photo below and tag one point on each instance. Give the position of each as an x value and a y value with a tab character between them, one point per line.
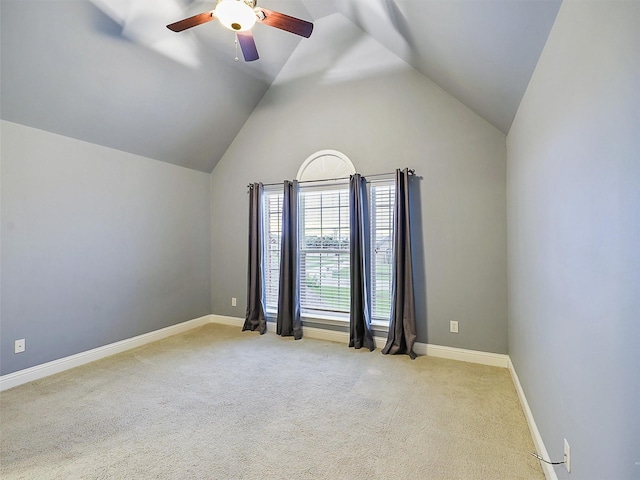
236	15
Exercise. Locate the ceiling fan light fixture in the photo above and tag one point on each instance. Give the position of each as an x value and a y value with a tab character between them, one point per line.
236	15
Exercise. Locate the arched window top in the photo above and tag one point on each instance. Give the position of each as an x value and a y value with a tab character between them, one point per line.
325	165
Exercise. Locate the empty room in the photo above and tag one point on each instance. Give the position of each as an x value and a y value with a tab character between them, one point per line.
334	239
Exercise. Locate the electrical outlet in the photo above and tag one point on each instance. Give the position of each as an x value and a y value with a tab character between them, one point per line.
567	456
453	326
19	346
234	301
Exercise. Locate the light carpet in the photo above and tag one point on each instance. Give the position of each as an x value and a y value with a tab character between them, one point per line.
217	403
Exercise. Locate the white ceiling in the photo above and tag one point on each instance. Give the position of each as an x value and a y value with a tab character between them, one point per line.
109	72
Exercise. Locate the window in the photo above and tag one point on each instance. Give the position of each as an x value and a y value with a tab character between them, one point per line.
324	249
381	204
323	238
272	224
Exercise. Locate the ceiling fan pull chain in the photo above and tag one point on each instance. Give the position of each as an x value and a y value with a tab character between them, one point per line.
236	58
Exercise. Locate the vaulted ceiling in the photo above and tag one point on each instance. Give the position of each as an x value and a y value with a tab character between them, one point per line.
110	73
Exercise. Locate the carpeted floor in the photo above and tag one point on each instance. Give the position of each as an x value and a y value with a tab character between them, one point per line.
217	403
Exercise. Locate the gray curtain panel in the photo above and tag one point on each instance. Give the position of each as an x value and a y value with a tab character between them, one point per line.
255	318
402	327
360	333
289	323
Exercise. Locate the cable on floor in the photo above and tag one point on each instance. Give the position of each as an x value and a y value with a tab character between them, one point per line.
545	461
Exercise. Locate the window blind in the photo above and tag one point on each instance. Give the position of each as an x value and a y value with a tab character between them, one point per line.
324	249
272	222
381	198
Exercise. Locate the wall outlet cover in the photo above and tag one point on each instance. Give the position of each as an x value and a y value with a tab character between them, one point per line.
19	346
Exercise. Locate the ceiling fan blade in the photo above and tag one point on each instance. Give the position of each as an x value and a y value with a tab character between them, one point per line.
285	22
191	21
248	46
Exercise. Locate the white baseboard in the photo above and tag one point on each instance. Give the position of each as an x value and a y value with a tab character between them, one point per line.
225	320
549	472
56	366
464	355
473	356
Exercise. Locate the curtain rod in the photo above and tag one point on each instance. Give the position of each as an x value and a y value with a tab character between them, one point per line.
410	170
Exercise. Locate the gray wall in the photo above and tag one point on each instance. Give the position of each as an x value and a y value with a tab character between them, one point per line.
574	240
383	114
97	245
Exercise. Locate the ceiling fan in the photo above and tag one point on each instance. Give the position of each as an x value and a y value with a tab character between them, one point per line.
239	16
